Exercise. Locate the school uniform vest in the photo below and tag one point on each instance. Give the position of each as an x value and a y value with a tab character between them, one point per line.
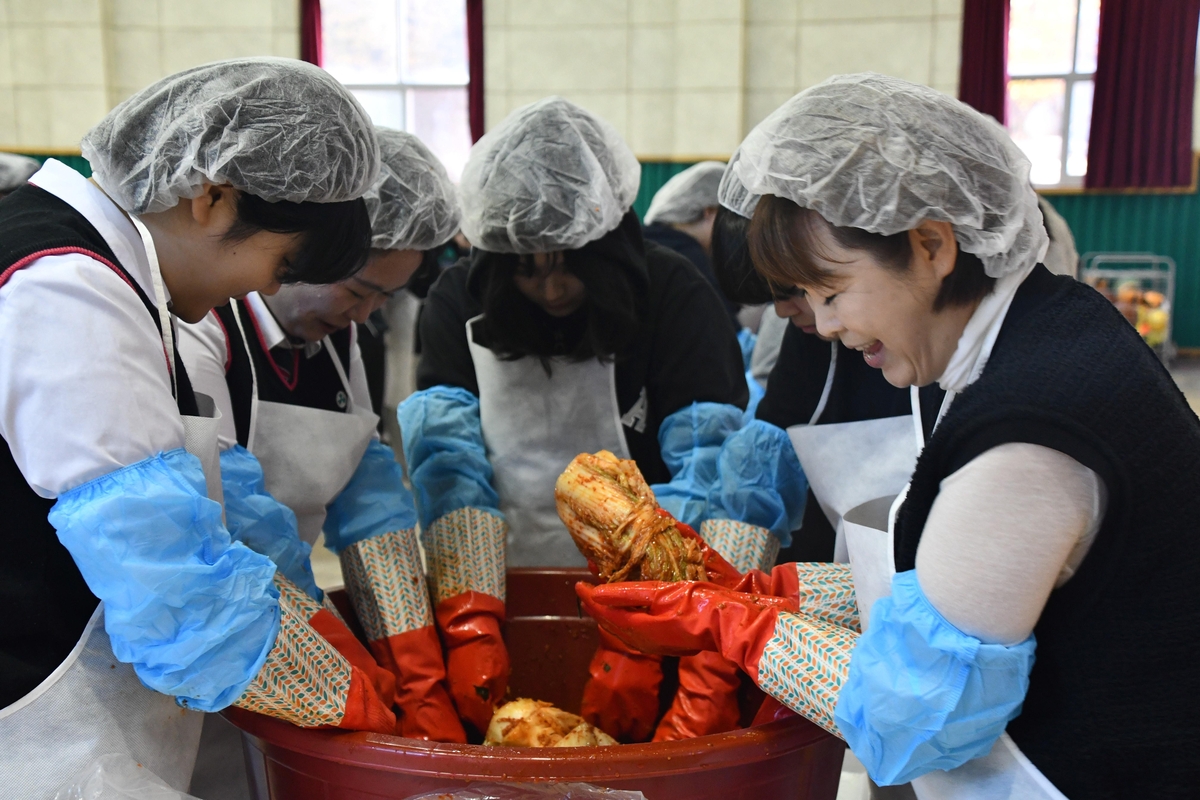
46	603
284	375
1113	708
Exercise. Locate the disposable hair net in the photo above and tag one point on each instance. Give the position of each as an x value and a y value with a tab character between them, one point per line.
879	153
413	205
276	128
684	198
15	170
550	177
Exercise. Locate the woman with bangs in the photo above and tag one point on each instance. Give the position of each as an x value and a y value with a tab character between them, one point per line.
1020	621
129	606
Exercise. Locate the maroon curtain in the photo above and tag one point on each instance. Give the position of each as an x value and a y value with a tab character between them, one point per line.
475	67
983	68
1142	112
310	31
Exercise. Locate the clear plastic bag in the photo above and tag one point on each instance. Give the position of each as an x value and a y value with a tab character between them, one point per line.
117	776
528	791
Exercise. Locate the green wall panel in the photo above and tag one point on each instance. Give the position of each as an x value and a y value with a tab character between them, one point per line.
654	175
1164	224
77	163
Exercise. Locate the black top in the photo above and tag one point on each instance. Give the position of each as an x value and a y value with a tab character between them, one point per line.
859	392
46	602
285	374
1113	708
691	249
686	350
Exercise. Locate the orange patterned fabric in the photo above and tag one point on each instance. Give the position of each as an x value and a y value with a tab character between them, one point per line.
826	592
387	585
466	551
744	546
804	665
304	680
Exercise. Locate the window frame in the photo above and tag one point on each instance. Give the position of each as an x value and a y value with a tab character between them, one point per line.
1071	78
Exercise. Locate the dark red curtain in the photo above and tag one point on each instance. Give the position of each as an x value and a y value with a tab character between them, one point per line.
1142	112
983	68
310	31
475	67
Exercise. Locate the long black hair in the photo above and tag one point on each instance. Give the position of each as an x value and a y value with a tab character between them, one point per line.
335	237
613	272
731	261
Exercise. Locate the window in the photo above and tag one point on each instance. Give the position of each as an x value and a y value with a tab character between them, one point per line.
406	62
1052	48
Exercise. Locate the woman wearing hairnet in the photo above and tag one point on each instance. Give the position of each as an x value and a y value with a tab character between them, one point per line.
1052	511
817	381
221	180
298	437
564	333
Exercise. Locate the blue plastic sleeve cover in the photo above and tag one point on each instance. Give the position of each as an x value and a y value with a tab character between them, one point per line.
690	441
262	523
759	481
746	340
757	393
922	695
194	612
373	503
445	453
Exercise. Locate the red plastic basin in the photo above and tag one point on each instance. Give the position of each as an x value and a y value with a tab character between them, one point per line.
550	645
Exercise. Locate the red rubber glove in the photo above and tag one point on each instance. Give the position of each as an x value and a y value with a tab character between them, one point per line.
387	587
476	658
684	618
706	700
621	697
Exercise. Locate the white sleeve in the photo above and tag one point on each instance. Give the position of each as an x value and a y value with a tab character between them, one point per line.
204	348
84	387
1004	531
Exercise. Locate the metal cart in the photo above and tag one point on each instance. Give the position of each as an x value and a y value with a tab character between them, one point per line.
1150	273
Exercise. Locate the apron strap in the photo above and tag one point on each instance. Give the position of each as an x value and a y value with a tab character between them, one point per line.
833	354
341	370
237	317
160	298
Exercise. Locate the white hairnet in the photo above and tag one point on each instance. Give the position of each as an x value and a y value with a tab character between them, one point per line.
878	153
413	205
276	128
15	170
684	198
550	177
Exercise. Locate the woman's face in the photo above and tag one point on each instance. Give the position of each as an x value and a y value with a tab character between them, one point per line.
887	313
311	312
545	281
795	308
200	268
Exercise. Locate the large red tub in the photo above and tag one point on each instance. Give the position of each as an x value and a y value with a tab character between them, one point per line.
550	644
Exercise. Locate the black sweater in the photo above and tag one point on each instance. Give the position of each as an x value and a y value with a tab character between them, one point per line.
686	349
1113	709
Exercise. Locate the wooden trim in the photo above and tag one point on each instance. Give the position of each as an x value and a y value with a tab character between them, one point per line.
40	151
1189	189
682	159
1188	352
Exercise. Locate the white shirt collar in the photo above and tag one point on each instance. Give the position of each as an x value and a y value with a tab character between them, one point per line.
272	334
85	197
975	344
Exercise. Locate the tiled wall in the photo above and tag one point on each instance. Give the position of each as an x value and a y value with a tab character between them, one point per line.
65	63
685	79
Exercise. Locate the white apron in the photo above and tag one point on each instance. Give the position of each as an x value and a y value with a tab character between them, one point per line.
533	426
93	704
849	463
1005	773
308	455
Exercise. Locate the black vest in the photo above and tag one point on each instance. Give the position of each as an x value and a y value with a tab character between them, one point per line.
45	600
285	376
1113	708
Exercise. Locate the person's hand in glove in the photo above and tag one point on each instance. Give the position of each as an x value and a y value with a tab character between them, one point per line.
465	537
801	661
371	526
307	682
621	695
